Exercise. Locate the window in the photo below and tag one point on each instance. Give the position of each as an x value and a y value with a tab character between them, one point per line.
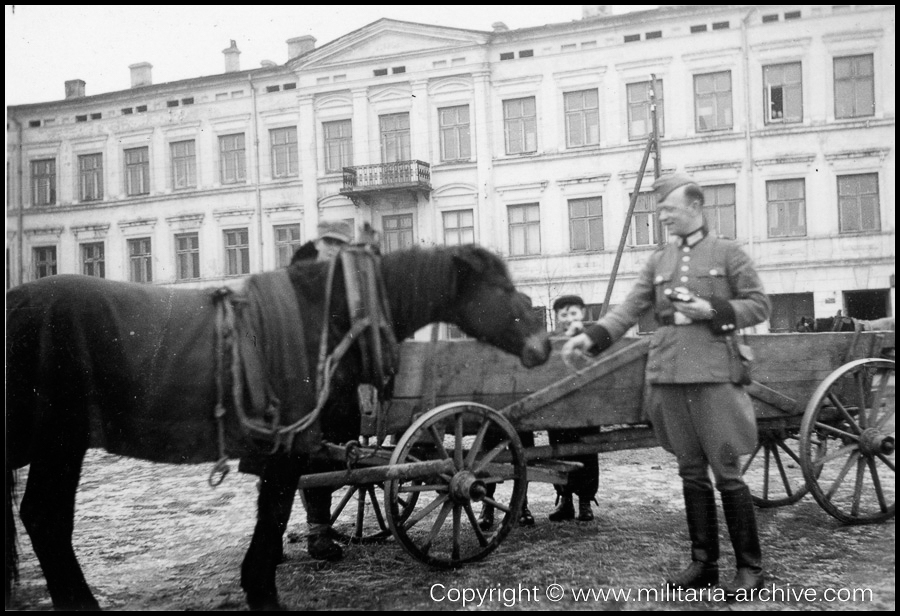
380	72
524	229
698	28
237	252
585	224
394	137
508	55
34	123
140	268
184	164
44	261
289	86
187	256
459	227
141	108
398	232
640	123
284	152
232	159
720	25
43	182
137	171
287	241
90	177
787	208
653	35
526	53
338	145
128	111
171	103
187	101
273	89
93	261
719	209
783	92
854	87
520	125
712	96
398	69
767	19
643	220
582	118
456	142
792	15
858	203
632	38
787	309
81	118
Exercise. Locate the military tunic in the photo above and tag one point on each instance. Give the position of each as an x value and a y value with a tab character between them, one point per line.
693	404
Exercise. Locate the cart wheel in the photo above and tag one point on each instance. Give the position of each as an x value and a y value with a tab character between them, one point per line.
441	528
847	442
357	515
773	471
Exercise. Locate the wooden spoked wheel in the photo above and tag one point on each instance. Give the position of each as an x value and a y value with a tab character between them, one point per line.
441	527
847	442
773	471
357	514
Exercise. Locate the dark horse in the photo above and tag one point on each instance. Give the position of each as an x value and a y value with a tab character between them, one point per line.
131	368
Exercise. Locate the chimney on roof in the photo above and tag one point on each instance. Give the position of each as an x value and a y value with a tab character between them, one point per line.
595	10
232	58
140	74
499	26
75	88
300	45
267	64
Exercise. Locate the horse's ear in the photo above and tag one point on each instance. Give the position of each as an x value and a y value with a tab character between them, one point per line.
368	236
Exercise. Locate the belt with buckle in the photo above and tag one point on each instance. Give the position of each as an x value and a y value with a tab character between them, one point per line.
671	319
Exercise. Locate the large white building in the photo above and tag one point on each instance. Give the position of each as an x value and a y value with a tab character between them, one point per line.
527	141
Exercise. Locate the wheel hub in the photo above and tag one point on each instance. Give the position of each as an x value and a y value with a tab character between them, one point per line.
873	442
465	487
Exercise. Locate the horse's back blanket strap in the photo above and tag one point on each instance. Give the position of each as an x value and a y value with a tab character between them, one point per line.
273	349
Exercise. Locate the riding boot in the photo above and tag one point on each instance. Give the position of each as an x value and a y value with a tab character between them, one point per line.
320	547
486	519
741	519
584	510
319	543
703	528
526	518
565	510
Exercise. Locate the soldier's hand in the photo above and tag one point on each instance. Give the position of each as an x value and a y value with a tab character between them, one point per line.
575	351
698	309
575	328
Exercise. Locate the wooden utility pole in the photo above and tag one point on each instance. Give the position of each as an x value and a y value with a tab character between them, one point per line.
652	145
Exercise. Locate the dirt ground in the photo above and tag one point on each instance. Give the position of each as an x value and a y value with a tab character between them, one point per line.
157	537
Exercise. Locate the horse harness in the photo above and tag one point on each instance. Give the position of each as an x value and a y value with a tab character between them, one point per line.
238	357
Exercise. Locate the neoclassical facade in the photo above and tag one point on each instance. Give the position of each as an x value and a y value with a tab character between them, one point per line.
527	141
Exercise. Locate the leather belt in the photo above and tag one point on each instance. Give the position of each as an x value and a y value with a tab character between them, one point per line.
670	320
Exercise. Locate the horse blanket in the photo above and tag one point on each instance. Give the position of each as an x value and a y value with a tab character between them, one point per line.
143	356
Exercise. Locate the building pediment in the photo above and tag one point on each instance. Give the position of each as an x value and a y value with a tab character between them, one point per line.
391	42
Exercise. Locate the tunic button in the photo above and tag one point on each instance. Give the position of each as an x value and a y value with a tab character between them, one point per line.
684	279
685	258
686	249
659	279
713	272
684	268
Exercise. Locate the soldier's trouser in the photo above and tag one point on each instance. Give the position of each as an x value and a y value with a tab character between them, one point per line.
584	482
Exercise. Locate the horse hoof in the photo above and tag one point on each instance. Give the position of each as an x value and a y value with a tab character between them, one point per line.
264	604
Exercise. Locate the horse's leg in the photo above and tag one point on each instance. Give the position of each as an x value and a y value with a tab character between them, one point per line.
48	514
276	497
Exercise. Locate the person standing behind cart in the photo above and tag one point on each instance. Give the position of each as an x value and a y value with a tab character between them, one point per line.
702	289
333	235
570	313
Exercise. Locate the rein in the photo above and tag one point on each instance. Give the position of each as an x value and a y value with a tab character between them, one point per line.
370	327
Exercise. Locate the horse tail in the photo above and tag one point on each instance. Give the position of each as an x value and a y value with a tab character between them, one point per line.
12	552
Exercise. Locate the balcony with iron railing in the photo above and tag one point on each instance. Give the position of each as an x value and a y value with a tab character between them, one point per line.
366	181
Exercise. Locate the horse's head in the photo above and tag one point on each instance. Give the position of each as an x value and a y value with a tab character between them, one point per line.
488	307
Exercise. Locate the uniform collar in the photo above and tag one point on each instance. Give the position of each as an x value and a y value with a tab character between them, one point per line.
692	239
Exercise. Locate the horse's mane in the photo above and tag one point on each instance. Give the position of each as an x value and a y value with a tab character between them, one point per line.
422	282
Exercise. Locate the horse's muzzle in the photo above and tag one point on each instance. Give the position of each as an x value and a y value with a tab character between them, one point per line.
536	350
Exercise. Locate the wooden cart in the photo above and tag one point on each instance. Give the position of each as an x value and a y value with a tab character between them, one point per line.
824	405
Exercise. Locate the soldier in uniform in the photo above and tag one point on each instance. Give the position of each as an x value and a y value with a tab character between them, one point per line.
332	236
702	289
583	483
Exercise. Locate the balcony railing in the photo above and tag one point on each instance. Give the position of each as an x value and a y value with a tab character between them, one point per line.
404	174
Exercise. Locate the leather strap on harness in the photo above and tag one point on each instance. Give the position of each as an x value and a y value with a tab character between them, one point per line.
370	327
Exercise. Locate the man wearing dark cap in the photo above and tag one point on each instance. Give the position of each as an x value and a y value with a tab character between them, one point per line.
331	237
702	289
569	310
